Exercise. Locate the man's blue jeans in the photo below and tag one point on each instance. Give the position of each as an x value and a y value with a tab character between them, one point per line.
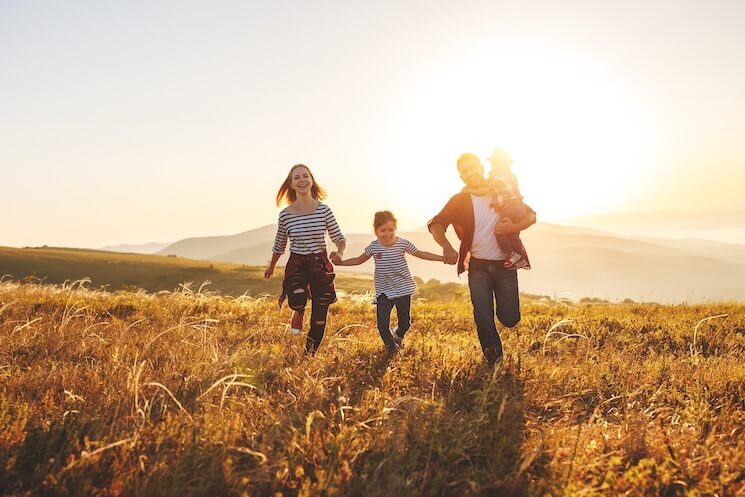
490	282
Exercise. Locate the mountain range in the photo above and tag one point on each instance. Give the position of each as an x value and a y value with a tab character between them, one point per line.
567	262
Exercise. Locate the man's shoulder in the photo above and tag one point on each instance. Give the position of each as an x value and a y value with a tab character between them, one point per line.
460	197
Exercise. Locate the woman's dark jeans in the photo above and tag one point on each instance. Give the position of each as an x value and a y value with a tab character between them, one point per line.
310	276
403	311
490	282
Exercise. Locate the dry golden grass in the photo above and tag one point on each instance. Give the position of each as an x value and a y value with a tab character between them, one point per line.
198	394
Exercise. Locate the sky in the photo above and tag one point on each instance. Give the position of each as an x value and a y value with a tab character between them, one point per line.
133	122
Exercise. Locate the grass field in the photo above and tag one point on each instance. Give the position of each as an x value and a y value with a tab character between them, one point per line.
134	393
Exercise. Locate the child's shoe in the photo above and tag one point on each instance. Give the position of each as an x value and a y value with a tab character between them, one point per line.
513	259
522	263
296	323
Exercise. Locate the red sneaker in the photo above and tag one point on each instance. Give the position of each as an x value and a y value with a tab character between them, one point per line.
522	263
296	323
512	260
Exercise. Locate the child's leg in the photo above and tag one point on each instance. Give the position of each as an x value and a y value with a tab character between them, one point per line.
505	243
516	243
403	311
515	211
385	306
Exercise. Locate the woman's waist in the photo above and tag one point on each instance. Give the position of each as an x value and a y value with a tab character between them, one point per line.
308	255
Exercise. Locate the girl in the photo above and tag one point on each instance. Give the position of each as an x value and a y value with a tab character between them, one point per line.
508	201
393	282
308	272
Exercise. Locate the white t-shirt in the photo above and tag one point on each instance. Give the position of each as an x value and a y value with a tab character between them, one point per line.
485	244
392	276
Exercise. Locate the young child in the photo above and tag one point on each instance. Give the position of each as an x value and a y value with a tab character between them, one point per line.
509	203
394	285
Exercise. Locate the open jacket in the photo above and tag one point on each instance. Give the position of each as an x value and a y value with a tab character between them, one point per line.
459	212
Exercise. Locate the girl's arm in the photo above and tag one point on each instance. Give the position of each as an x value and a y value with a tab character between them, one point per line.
427	256
354	261
270	268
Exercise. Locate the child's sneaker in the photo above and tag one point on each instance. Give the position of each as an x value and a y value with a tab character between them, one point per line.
512	260
522	263
399	340
296	323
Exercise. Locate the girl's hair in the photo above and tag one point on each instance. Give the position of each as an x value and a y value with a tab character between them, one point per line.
286	195
382	217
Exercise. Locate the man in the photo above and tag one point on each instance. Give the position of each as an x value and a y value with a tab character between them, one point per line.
476	223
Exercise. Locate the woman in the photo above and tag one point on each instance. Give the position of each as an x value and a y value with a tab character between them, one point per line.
308	272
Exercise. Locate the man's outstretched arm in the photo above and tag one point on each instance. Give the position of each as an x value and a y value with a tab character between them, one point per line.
506	226
449	254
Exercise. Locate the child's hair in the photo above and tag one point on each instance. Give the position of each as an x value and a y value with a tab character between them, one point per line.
287	195
382	217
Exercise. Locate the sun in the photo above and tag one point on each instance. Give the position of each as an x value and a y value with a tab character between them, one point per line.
577	138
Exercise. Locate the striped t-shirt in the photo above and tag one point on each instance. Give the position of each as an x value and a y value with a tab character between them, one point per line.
306	232
392	276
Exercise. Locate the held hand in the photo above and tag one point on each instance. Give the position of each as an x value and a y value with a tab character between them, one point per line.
449	256
335	257
505	227
268	272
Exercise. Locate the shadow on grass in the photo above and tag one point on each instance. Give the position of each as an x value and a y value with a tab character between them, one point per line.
467	443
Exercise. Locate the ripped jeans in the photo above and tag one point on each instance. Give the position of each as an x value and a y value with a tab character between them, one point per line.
310	276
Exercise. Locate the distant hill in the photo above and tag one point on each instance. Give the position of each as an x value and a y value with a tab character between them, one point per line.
209	247
581	261
723	225
145	248
150	272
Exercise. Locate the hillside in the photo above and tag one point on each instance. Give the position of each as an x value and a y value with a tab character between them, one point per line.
117	271
194	394
578	261
150	272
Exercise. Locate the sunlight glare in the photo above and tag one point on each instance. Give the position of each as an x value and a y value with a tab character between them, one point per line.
576	140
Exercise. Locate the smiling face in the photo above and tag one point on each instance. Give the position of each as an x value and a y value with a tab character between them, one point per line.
301	180
386	233
471	171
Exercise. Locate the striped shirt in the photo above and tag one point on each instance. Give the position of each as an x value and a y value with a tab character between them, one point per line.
392	276
306	232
